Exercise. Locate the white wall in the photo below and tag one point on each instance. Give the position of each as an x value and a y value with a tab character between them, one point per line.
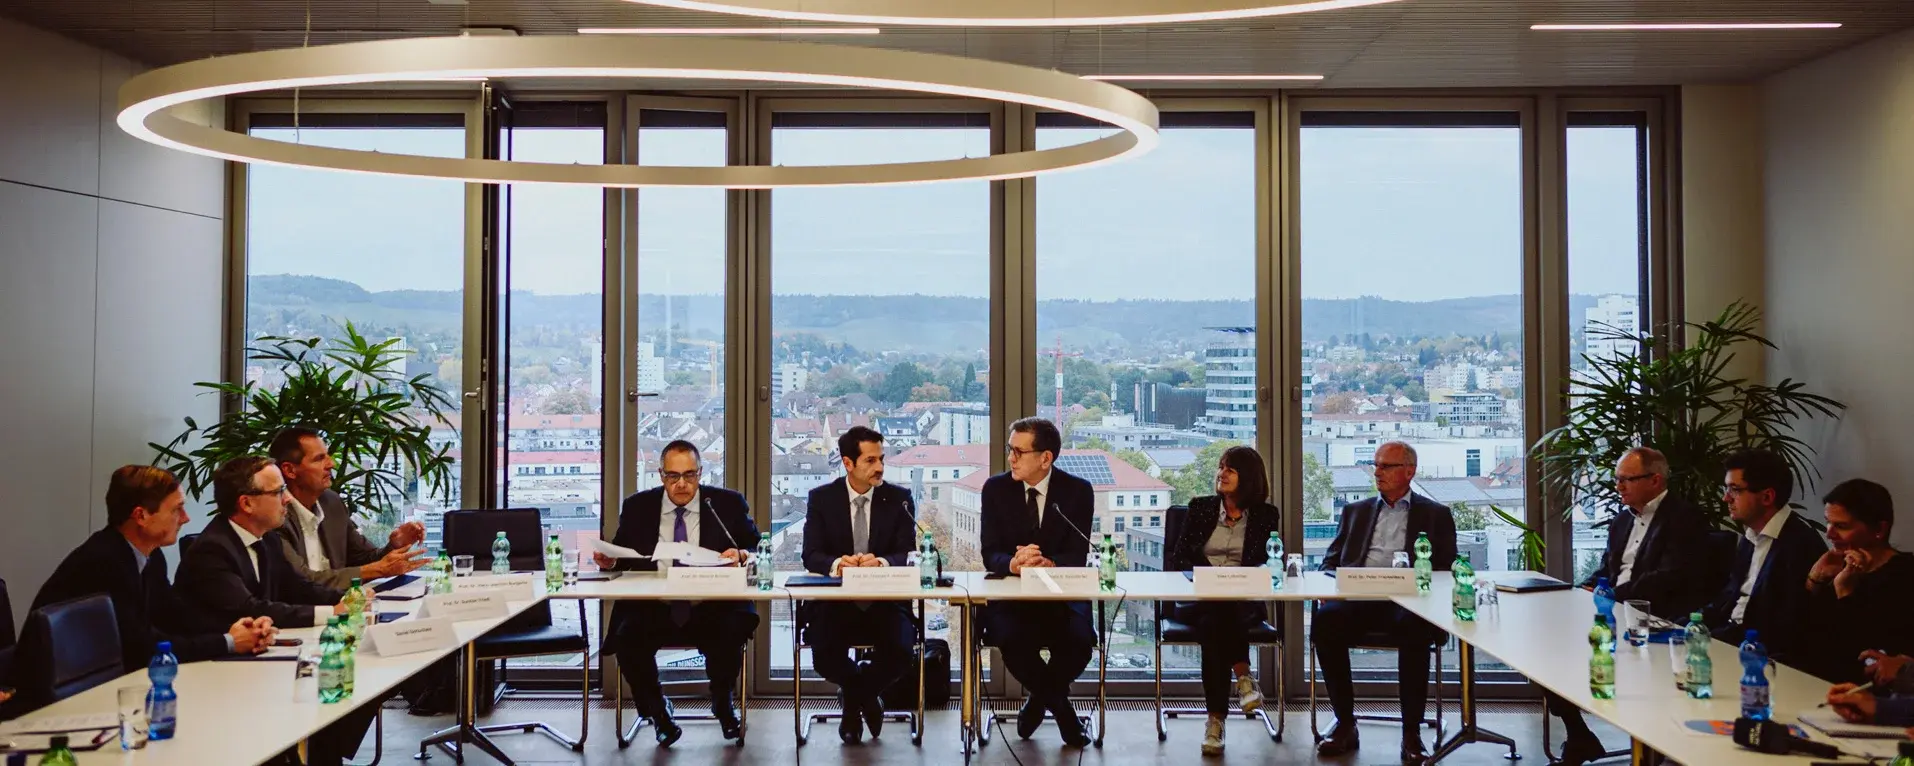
1722	206
1840	254
110	295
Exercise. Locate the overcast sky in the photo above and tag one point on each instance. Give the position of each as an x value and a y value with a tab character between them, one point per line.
1405	214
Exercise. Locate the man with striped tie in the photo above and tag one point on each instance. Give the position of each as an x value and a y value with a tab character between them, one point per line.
686	511
859	521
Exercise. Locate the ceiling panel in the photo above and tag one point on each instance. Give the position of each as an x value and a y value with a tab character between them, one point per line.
1413	43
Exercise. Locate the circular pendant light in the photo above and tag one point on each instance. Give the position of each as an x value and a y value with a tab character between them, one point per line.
1011	13
147	102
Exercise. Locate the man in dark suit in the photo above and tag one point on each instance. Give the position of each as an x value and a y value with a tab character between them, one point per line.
1657	551
713	518
1037	516
236	569
1767	589
319	537
859	521
144	512
1371	532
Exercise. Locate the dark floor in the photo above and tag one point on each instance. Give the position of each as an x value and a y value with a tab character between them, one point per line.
1131	739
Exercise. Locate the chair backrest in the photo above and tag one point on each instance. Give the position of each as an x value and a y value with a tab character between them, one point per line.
1173	530
6	637
185	542
67	648
471	533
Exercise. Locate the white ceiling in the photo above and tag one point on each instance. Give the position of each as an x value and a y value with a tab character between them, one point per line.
1412	43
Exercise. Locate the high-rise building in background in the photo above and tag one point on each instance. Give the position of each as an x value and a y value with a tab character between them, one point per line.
1609	314
1229	382
790	377
651	368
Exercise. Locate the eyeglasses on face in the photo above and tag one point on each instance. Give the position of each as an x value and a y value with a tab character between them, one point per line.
673	478
279	490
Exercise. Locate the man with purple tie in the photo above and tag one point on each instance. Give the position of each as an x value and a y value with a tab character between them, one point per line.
686	511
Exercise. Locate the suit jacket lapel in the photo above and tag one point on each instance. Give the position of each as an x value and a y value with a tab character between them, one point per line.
1767	564
1418	524
1620	526
880	520
649	514
1361	529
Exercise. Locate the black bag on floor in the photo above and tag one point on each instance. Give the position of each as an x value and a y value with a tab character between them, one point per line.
902	695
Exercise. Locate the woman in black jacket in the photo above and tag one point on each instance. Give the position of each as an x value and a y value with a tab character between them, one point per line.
1229	528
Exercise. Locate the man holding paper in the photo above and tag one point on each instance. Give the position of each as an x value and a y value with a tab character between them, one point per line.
859	521
712	518
1370	534
1035	516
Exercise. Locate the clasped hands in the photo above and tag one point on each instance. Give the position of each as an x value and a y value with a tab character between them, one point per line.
252	635
1028	556
857	560
1843	569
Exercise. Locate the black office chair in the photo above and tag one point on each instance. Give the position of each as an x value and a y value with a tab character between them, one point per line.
627	735
1377	641
802	723
990	716
531	633
1174	633
67	648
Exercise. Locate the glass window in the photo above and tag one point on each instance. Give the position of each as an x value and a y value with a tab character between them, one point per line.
1416	326
1130	354
1607	266
397	271
880	307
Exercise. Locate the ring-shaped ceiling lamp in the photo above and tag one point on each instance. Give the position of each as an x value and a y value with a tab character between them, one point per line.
1011	13
147	103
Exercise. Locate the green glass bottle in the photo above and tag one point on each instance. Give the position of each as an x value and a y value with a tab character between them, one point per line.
332	664
554	565
1601	661
1464	597
58	753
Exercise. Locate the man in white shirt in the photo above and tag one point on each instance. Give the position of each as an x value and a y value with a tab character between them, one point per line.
1766	590
319	537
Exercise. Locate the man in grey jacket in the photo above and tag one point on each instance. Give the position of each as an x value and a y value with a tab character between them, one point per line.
319	538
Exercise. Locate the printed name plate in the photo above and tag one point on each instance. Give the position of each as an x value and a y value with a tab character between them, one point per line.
1066	580
409	636
705	580
1387	581
882	580
1232	581
459	607
524	586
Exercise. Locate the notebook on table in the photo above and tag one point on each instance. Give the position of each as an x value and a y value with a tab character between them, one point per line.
1527	582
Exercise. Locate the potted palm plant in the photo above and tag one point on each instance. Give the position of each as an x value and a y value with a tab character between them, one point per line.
377	422
1679	399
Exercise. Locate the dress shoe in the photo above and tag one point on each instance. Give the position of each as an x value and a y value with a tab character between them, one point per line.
1413	753
1029	717
1342	740
665	730
727	716
1067	723
1580	750
873	710
850	727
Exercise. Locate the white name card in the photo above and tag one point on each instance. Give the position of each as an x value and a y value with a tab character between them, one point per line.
705	580
515	587
418	635
458	607
1232	581
1070	580
1378	580
882	580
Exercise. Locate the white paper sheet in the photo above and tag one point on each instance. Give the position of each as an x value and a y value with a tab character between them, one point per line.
617	551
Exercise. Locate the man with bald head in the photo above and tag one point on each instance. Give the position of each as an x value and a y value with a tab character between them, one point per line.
1657	552
1370	534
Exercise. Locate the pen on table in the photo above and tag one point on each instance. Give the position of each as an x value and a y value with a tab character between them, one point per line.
1855	690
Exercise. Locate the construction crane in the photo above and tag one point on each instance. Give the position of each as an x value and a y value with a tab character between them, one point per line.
1059	354
715	348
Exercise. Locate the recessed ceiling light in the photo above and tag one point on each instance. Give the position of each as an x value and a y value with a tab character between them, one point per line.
1676	26
729	31
1202	77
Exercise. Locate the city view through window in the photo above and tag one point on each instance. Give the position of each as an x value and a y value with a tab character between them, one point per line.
1411	312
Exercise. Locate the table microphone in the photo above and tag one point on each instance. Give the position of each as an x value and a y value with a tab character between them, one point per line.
1775	739
1073	526
726	530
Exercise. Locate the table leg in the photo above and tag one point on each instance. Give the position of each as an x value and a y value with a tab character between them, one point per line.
1469	732
454	738
967	686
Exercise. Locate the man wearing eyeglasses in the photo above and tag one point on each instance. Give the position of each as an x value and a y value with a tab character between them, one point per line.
1033	516
714	518
1371	533
1766	589
237	569
1657	551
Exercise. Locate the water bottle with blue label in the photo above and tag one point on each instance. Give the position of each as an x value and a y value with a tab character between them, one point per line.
1754	679
162	703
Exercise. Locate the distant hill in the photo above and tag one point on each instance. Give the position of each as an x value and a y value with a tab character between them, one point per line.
906	322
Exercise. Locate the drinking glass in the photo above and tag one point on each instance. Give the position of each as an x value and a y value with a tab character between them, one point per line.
1678	657
1638	617
1293	566
133	718
462	565
1486	596
1401	561
570	566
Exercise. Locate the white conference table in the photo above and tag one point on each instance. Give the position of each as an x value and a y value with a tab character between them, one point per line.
1544	636
244	712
